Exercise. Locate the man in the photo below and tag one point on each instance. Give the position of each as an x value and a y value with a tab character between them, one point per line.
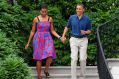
80	26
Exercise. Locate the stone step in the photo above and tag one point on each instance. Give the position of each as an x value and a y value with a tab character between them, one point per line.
114	67
66	70
113	61
115	72
66	76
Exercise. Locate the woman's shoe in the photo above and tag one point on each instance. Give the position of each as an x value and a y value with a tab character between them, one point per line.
47	74
40	77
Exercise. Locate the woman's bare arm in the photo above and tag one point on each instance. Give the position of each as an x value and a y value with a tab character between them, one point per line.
52	29
32	32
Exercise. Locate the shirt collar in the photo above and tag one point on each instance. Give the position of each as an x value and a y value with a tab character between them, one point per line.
79	17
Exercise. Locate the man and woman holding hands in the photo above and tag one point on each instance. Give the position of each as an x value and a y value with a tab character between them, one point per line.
43	45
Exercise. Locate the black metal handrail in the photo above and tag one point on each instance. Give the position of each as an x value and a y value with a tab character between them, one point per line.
103	68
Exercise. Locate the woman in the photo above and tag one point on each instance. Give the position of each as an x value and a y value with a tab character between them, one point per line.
43	46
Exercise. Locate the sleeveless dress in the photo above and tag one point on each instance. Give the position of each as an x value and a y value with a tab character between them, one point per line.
43	44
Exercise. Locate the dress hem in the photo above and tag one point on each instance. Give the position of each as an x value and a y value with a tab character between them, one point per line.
44	58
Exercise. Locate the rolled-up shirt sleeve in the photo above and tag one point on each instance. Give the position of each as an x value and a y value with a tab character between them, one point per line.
69	23
89	26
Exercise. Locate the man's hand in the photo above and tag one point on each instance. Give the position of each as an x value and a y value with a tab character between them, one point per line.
63	39
83	32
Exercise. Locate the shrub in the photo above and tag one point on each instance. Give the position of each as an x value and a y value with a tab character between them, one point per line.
14	68
7	47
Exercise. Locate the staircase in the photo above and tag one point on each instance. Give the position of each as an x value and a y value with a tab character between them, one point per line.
64	72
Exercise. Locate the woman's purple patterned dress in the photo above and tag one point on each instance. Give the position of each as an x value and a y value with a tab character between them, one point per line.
43	45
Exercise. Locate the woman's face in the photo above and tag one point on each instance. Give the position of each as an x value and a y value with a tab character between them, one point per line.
79	10
43	11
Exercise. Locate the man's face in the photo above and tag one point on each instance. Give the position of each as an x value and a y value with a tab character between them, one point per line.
79	10
43	12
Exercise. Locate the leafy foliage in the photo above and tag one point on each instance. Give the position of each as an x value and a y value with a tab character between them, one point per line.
7	47
15	23
110	37
14	68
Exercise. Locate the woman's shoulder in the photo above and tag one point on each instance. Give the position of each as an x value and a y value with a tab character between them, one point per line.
50	18
35	19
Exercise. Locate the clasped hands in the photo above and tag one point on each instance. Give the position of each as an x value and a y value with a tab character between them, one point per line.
63	39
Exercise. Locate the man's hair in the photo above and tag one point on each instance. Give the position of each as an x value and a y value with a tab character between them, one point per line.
43	6
80	4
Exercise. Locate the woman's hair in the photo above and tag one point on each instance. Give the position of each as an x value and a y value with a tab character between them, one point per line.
43	6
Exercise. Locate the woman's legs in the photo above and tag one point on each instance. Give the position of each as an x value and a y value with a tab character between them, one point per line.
39	65
38	68
48	62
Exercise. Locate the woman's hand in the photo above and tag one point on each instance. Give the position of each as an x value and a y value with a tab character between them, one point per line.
26	46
